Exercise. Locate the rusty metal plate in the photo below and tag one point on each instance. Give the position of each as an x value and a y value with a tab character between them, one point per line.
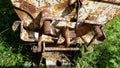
100	12
72	21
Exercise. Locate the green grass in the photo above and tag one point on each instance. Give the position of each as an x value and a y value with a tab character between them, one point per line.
106	54
12	53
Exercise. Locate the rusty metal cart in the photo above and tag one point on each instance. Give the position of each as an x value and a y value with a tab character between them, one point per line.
60	25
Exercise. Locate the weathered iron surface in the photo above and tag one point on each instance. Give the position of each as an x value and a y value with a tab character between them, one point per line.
63	22
61	12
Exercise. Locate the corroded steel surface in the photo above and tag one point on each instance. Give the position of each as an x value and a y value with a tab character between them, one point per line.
100	11
92	12
62	22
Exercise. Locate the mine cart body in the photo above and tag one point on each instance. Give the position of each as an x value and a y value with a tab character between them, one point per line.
59	24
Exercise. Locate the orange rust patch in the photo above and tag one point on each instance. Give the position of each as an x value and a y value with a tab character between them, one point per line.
28	7
71	15
21	1
117	12
83	29
61	6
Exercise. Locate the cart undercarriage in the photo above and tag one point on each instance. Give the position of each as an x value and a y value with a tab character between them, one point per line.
59	27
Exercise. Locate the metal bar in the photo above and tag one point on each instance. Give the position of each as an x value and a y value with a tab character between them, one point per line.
70	20
94	22
50	49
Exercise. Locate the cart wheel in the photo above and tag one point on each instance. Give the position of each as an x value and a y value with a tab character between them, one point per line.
47	27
